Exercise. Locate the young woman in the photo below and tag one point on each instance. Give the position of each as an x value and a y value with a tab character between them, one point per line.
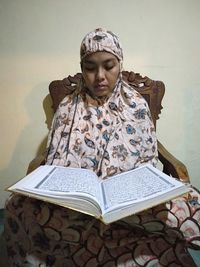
103	125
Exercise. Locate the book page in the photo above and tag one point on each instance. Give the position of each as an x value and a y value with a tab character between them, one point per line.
134	186
71	180
74	188
58	181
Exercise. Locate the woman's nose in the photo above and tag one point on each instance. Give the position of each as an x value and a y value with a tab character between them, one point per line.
100	74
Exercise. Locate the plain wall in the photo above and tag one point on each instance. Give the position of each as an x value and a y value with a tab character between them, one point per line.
40	41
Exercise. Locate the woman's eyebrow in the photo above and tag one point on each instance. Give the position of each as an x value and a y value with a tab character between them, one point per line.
88	61
109	60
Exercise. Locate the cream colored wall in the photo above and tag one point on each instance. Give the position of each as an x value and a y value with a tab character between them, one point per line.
39	42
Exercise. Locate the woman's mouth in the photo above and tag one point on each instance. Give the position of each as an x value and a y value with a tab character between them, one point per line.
101	86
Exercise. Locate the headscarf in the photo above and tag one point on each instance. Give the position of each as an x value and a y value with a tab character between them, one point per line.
110	138
101	40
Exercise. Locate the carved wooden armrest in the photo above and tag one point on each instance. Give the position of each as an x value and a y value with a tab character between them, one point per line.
171	165
36	162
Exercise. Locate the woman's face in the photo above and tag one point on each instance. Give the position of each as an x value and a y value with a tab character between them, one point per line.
100	72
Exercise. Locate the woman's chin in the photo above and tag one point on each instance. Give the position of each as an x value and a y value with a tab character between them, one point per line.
102	92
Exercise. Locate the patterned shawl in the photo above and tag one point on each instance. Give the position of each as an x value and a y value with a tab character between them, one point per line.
108	138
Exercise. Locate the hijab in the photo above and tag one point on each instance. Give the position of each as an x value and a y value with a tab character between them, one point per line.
114	137
101	40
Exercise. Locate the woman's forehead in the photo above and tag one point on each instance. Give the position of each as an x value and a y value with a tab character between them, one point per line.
100	57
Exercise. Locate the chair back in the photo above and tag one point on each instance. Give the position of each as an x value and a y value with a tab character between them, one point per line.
152	91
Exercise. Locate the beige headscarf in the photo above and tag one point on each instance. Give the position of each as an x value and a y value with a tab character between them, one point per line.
110	138
101	40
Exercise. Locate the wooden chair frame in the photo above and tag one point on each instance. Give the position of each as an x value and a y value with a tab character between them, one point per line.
153	92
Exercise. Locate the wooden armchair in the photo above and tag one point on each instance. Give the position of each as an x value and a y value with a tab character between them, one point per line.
152	91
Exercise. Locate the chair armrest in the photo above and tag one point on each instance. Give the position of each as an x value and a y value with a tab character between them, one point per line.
171	165
36	162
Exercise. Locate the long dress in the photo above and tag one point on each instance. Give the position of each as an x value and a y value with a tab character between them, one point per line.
107	138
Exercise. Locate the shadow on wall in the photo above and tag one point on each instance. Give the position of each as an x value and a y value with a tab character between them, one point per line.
28	146
48	110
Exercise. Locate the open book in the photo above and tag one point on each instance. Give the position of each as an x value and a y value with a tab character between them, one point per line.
109	200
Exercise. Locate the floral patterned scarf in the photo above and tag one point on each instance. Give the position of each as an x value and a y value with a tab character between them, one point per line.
107	137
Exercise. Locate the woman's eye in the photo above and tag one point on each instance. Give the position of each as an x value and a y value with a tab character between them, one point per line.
109	67
89	68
